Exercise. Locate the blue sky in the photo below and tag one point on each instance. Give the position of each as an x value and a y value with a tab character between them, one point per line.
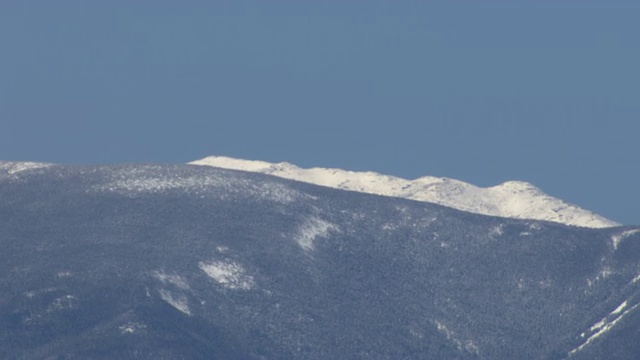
542	91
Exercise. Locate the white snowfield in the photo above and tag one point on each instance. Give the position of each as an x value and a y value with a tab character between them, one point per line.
13	168
512	199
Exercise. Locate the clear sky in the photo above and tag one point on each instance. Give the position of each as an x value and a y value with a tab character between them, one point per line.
482	91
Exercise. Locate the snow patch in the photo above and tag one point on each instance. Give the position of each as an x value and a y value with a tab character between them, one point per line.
497	230
66	302
603	274
389	226
312	229
149	179
14	170
513	199
545	284
34	293
179	302
154	179
64	274
131	328
604	325
229	274
172	279
619	309
618	238
277	192
467	345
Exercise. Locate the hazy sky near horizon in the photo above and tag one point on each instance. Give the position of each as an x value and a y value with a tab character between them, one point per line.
542	91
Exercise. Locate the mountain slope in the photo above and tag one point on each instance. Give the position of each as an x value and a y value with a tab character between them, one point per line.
188	262
514	199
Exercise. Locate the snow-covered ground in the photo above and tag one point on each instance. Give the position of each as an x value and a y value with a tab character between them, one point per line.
513	199
13	168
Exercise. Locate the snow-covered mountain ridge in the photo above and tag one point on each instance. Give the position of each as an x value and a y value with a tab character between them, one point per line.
512	199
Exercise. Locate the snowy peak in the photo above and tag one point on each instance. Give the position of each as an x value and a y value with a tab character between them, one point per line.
11	170
513	199
11	167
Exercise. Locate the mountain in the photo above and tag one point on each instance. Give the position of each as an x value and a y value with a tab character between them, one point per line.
150	261
513	199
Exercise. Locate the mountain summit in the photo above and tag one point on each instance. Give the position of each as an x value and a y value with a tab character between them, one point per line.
512	199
